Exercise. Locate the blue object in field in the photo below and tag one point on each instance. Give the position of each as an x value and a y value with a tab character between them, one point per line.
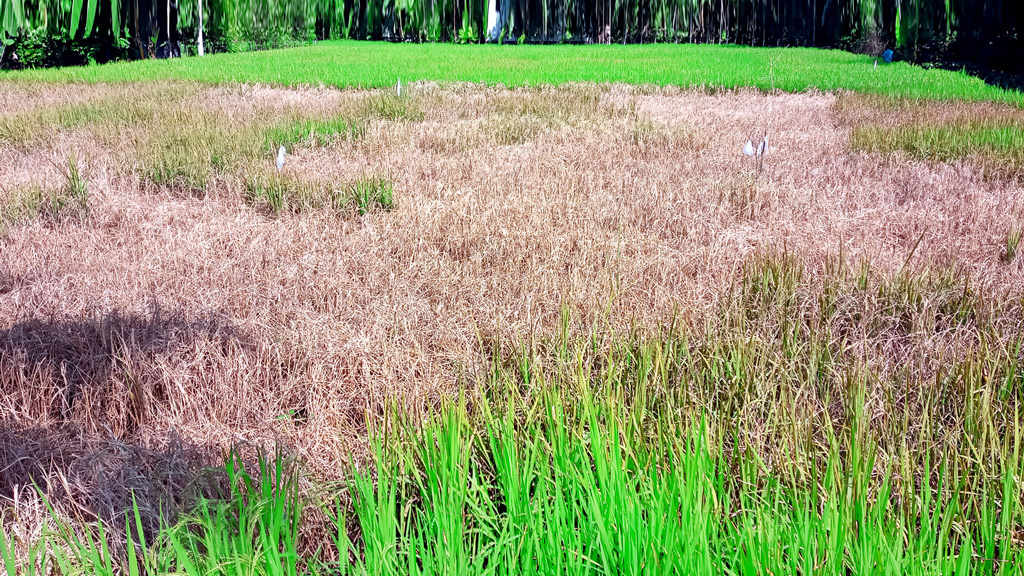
887	56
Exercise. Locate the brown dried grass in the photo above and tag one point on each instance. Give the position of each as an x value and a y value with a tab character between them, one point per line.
165	315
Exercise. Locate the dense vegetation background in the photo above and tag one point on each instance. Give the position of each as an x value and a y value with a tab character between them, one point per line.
981	33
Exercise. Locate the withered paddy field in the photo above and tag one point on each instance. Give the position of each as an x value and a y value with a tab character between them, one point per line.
474	293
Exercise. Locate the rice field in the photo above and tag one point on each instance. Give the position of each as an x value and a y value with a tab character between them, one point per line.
483	327
358	64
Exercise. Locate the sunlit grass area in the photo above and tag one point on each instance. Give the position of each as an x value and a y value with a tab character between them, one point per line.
987	135
477	330
998	148
376	64
764	444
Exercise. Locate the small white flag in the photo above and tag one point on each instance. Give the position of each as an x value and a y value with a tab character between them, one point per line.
280	158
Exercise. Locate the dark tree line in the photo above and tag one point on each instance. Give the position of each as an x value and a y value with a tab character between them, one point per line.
155	28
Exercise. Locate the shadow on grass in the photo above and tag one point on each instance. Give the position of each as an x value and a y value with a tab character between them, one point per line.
76	410
89	477
107	354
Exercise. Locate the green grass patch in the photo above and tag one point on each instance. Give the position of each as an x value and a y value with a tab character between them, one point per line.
277	193
344	125
371	194
313	132
38	126
780	438
378	64
989	135
194	147
997	147
389	106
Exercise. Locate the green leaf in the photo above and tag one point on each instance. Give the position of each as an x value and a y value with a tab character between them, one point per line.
90	17
115	18
76	16
964	565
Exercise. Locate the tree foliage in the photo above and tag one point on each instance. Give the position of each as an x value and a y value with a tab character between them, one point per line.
145	24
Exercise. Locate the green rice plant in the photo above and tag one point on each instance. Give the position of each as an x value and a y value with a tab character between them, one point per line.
197	147
22	205
996	146
584	475
313	131
251	529
349	64
278	193
372	193
1013	237
927	302
639	460
200	147
41	125
35	561
389	106
7	554
117	110
178	162
82	551
74	199
69	202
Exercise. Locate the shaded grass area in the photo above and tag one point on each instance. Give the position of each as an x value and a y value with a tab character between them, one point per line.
781	438
375	64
